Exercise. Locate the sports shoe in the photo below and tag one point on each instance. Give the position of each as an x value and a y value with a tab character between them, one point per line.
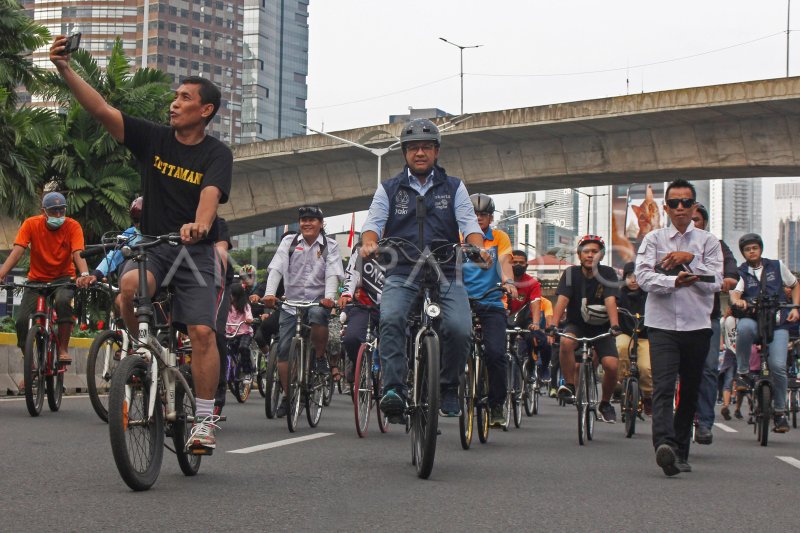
666	459
743	383
448	404
737	414
203	438
283	408
607	412
566	392
781	424
323	367
683	465
393	405
553	392
498	417
725	412
647	406
703	435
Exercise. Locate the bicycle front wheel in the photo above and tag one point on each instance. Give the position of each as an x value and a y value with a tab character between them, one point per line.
272	384
466	395
241	386
582	403
182	428
34	369
591	395
316	384
261	375
482	402
630	406
516	400
794	405
764	410
530	393
296	377
103	359
425	415
55	389
137	441
362	393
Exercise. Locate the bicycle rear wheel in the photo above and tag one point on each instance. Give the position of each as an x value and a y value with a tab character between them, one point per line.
466	396
362	394
764	416
241	387
425	415
327	391
261	375
182	428
516	400
103	359
377	392
582	403
33	369
316	384
482	400
794	405
295	388
55	389
530	391
630	406
272	384
137	441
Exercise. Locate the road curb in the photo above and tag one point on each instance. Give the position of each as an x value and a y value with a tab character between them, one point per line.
7	384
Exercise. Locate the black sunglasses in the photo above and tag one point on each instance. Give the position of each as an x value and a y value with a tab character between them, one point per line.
673	203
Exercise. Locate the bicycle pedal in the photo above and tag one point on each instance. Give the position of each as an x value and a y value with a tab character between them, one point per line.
396	419
201	451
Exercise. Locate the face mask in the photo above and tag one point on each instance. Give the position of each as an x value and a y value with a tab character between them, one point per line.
55	222
518	270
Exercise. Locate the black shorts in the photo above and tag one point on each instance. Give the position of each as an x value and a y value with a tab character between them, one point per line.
195	274
606	347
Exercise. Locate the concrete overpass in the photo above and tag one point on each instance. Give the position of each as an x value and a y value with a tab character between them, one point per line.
749	129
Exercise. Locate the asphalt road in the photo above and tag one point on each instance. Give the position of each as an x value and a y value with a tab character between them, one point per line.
58	474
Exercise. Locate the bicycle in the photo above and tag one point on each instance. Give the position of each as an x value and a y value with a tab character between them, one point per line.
238	382
151	394
631	404
367	380
43	373
304	381
792	370
522	378
586	394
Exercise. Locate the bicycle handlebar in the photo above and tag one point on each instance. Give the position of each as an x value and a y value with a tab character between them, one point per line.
498	288
172	238
584	339
635	316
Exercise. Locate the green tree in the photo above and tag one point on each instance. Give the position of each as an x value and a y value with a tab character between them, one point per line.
99	175
26	134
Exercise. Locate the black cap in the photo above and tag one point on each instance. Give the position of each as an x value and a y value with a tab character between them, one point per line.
628	269
310	211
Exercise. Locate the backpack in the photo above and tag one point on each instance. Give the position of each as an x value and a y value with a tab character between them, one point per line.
296	241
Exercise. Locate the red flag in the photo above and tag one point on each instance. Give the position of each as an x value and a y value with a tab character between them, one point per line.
352	231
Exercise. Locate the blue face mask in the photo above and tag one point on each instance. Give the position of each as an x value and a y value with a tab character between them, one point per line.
55	222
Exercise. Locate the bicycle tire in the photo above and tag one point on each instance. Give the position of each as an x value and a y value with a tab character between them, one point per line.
295	387
55	390
377	385
33	369
146	437
466	396
261	375
482	401
362	393
425	416
315	393
529	390
243	387
764	408
582	404
794	402
591	394
182	427
272	394
630	406
98	380
516	401
327	391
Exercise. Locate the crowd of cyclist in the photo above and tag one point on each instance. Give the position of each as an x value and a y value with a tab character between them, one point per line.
426	206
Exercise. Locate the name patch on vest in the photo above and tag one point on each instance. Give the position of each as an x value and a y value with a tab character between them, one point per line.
441	201
401	202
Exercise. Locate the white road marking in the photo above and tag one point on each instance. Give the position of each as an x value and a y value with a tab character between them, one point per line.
791	460
725	428
65	397
278	444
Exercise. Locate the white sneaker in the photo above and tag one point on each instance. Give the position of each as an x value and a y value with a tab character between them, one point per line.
203	439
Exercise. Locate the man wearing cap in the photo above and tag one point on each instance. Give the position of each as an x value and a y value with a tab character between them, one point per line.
448	213
310	266
55	242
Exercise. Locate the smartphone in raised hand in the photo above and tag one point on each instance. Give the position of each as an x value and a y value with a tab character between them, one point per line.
72	44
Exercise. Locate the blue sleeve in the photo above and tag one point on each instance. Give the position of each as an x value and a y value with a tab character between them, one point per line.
114	258
378	213
465	213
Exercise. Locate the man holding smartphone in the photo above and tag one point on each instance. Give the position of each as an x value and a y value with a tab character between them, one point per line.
678	316
186	174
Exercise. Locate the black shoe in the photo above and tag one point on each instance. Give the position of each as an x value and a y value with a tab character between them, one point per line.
448	405
781	424
322	367
566	392
703	435
743	383
725	412
283	408
666	459
737	414
607	412
683	465
393	405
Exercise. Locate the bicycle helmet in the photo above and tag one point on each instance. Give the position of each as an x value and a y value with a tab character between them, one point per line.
136	210
586	239
420	129
247	271
310	211
750	238
482	203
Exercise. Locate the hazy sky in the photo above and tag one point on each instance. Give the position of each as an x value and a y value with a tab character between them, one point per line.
368	60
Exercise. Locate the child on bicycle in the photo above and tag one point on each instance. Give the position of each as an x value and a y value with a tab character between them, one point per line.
242	334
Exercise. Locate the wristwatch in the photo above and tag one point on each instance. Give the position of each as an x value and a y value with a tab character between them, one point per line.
84	274
509	281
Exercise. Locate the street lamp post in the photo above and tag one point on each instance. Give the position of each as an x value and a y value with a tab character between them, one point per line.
461	53
589	204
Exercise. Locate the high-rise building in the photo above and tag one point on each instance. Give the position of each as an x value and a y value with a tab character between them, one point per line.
734	209
508	225
564	212
789	243
274	88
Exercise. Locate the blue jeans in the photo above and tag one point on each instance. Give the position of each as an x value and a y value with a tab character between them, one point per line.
707	395
746	333
455	328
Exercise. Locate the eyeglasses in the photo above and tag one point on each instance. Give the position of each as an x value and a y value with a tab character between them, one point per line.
673	203
416	147
483	214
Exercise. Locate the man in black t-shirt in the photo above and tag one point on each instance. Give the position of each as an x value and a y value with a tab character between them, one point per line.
186	174
583	291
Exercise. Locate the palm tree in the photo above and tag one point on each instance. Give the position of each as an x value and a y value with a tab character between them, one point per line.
99	175
26	133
